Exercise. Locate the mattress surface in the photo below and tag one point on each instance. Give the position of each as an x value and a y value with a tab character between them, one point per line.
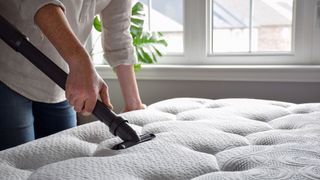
195	139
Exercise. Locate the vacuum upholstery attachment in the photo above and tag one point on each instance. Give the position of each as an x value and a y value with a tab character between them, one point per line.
117	125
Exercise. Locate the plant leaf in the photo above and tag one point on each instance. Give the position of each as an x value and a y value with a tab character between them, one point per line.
147	39
140	55
97	24
146	56
137	9
135	31
157	51
154	58
137	21
137	67
145	43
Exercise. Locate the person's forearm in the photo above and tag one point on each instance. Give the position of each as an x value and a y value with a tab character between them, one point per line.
129	87
53	23
83	85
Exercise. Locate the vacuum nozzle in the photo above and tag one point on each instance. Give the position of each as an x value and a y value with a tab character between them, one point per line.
118	126
126	144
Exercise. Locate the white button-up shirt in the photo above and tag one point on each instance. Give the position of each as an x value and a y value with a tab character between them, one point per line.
21	76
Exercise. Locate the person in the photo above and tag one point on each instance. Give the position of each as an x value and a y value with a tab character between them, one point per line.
31	105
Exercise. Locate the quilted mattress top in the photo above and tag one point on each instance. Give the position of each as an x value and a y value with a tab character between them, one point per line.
195	139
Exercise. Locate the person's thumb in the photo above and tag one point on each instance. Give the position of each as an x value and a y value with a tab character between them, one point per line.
105	96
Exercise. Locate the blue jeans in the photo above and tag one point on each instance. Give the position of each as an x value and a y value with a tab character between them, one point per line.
23	120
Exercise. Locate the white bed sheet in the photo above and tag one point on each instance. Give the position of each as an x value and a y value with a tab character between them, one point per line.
196	139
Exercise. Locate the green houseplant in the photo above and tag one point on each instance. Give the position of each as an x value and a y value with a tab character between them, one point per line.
144	42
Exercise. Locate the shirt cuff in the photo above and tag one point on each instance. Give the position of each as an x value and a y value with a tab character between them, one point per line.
29	9
124	56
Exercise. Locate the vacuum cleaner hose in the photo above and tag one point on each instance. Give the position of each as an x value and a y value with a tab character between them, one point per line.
15	39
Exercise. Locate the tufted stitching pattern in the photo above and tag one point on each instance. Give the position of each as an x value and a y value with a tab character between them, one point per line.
196	139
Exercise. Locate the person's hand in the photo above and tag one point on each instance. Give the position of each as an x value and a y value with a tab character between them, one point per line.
84	86
133	107
129	88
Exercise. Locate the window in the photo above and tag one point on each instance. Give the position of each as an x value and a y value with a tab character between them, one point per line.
251	26
294	40
236	32
166	16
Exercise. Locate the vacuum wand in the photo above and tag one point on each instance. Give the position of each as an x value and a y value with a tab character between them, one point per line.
118	126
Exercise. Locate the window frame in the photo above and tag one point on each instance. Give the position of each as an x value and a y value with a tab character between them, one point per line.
196	64
197	38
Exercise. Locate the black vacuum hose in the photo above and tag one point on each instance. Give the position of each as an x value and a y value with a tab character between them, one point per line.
15	39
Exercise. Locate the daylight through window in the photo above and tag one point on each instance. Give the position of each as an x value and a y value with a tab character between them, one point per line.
252	26
166	16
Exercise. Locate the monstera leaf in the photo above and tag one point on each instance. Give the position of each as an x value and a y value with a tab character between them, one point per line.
146	43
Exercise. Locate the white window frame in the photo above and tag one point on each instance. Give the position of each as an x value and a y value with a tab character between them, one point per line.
197	39
196	63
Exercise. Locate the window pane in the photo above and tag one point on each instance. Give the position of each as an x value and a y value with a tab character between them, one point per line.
231	25
272	25
167	17
252	26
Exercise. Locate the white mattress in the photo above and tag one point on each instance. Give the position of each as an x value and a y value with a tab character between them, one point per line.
196	138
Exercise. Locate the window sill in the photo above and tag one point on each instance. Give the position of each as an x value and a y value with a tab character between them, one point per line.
255	73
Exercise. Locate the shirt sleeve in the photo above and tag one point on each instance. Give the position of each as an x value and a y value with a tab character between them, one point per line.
116	37
28	9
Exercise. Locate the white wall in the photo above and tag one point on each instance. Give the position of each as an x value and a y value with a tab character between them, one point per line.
156	90
152	91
